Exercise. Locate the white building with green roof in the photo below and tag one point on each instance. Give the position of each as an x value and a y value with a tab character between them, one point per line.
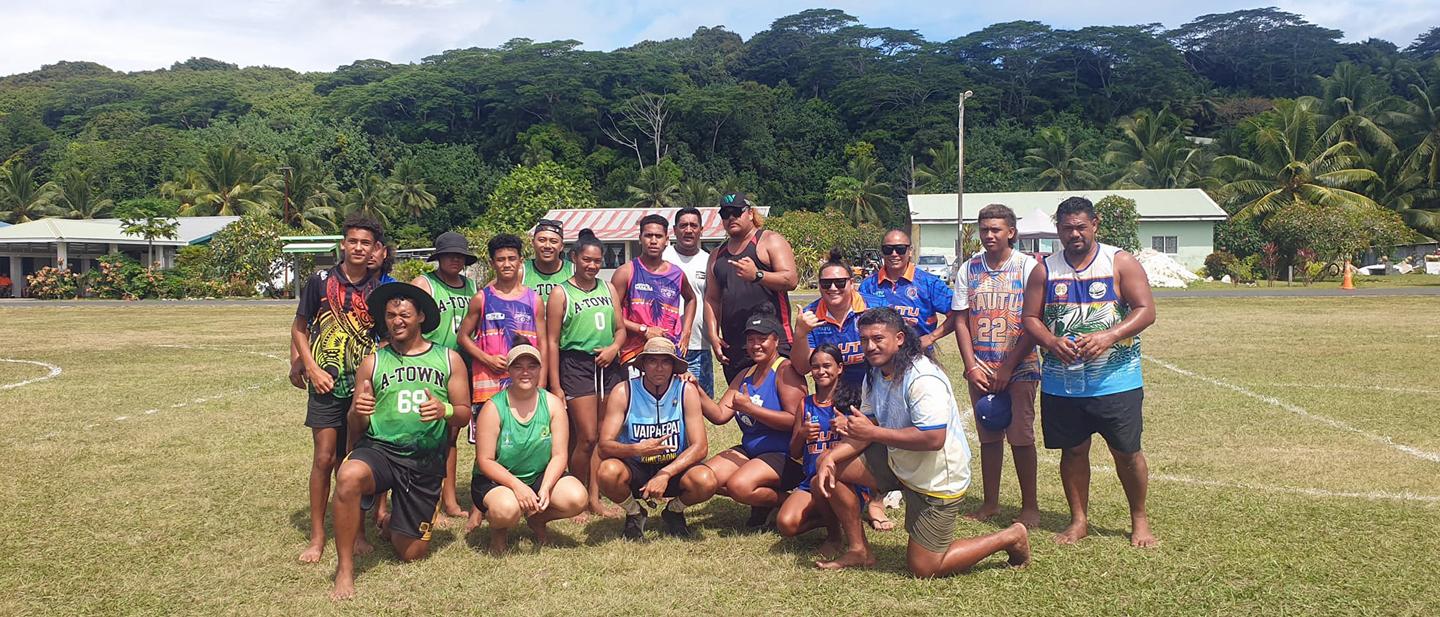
1177	222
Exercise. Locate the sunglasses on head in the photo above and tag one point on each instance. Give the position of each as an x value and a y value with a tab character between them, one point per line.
839	283
550	223
730	212
895	249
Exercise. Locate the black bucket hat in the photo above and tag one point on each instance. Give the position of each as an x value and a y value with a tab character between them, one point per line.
454	244
389	291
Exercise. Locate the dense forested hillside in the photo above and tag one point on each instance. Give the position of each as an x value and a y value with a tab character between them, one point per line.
817	110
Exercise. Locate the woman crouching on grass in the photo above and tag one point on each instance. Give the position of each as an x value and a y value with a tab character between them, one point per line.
522	444
812	435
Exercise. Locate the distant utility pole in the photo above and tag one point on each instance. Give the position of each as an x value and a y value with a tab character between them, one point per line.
960	180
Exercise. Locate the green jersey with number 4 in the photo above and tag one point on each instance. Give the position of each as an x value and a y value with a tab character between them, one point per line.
453	302
400	384
589	318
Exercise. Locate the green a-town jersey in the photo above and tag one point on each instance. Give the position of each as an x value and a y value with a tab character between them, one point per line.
453	302
400	384
589	318
542	283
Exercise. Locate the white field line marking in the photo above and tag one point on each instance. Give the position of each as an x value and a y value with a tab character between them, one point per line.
1341	386
212	397
1291	490
54	372
1300	411
226	349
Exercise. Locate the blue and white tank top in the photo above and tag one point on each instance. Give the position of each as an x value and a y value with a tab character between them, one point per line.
649	417
824	417
1084	300
755	436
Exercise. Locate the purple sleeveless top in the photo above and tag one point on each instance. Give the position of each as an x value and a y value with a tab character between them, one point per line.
654	300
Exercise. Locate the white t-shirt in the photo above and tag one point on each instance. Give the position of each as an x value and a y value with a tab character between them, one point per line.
923	399
694	268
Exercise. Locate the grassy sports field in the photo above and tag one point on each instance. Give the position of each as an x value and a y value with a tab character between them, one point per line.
1292	441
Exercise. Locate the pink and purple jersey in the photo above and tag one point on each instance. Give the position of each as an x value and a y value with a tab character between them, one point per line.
500	319
654	300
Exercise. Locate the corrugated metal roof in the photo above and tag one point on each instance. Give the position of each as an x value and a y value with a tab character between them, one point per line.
619	224
192	229
1151	204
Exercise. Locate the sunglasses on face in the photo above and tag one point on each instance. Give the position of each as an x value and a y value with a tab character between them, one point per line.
895	249
839	283
730	212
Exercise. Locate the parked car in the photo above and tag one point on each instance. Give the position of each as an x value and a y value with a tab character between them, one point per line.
934	264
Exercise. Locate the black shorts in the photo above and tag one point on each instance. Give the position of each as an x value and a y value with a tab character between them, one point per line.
641	473
776	460
580	377
327	411
414	497
481	485
1068	421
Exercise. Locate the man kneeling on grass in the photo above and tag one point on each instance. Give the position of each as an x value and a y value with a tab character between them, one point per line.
652	440
398	429
918	448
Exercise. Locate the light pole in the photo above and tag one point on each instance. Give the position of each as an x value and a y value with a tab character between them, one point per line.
960	180
285	208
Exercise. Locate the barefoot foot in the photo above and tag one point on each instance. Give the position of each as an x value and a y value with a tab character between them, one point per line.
453	510
1140	535
312	553
1030	518
1019	551
344	588
985	513
848	559
499	542
601	510
362	546
541	531
476	518
829	549
1073	533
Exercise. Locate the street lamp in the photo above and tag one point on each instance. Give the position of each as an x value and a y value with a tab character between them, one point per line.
960	181
285	208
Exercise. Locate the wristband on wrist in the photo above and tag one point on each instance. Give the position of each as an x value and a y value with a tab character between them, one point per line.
449	411
973	368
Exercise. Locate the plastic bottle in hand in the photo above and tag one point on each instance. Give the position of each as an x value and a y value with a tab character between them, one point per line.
1075	374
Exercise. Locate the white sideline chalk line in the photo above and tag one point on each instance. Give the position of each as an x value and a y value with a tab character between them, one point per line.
204	399
219	348
1300	411
1341	386
54	372
1291	490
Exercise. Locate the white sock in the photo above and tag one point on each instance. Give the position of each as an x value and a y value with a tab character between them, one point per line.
630	506
676	505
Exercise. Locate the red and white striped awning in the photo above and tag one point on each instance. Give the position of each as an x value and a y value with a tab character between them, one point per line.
623	224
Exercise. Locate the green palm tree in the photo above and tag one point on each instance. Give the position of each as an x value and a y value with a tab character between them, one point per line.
22	199
1421	117
372	198
78	196
229	181
652	189
1152	152
408	187
1056	165
695	193
1403	188
860	194
939	175
314	198
1293	161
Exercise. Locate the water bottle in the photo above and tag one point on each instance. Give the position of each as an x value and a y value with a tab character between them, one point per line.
1075	375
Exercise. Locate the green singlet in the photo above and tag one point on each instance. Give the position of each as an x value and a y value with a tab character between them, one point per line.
523	447
400	383
589	318
453	302
542	283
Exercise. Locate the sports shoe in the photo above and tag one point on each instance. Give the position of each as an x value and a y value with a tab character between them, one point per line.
635	526
759	519
675	524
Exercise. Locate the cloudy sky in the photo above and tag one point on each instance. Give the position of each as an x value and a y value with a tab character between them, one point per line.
322	34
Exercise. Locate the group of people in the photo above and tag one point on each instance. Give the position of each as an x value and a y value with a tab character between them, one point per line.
573	387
